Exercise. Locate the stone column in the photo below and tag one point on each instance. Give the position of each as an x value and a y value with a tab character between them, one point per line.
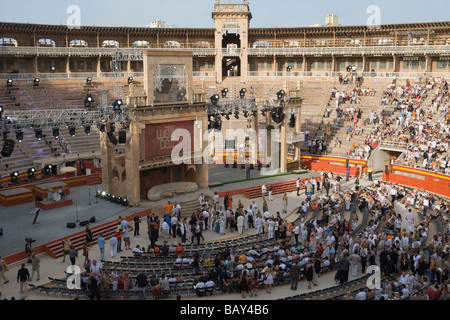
297	150
283	144
106	157
202	174
132	155
428	63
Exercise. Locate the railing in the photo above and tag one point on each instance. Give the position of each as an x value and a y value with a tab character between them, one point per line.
204	74
335	74
381	50
231	52
71	75
395	144
90	52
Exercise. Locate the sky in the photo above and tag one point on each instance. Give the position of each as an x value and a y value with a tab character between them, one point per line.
197	13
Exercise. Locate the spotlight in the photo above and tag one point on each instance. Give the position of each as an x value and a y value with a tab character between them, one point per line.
19	135
55	132
130	80
14	176
242	92
31	172
214	99
277	115
52	69
263	112
292	121
117	104
227	116
254	113
9	83
88	101
124	202
236	114
112	138
224	92
1	110
36	82
289	68
101	126
87	129
89	81
280	94
38	133
72	131
245	114
48	169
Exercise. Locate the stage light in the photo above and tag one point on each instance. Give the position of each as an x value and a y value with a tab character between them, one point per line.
289	68
31	172
8	146
236	114
48	169
254	113
280	94
124	202
89	81
72	131
14	176
87	129
112	138
1	110
36	82
263	112
101	126
38	133
52	69
117	104
19	135
227	116
242	92
224	92
55	132
245	114
214	99
9	83
130	80
88	101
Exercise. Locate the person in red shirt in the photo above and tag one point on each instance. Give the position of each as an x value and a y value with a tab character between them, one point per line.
119	238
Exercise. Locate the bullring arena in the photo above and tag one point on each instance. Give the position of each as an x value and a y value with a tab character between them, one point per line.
336	172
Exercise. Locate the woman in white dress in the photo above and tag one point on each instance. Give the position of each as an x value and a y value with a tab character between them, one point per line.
223	223
268	277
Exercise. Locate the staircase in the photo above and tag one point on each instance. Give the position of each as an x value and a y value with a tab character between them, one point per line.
93	179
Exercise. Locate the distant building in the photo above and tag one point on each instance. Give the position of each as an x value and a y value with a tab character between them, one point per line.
159	24
332	20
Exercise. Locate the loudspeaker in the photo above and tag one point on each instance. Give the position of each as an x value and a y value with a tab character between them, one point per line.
38	198
122	136
84	223
92	220
71	225
8	148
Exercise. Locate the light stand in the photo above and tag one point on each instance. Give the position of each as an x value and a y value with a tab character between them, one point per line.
76	206
89	196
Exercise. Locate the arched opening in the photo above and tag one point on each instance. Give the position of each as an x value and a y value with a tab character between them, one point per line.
172	44
261	44
141	44
110	44
8	42
78	43
46	43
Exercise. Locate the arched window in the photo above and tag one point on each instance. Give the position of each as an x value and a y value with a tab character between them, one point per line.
110	44
141	44
78	43
10	42
261	44
46	43
172	44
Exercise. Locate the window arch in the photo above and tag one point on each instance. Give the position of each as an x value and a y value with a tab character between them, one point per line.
261	44
78	43
46	43
10	42
172	44
141	44
110	44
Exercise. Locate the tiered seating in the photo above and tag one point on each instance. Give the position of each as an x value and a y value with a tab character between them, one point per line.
280	187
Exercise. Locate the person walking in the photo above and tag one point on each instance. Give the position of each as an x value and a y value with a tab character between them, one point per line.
343	269
113	245
285	203
101	245
297	184
73	254
309	272
137	221
370	172
23	275
268	277
270	192
3	269
35	266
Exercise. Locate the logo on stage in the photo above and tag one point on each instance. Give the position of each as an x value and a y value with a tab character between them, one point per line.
158	140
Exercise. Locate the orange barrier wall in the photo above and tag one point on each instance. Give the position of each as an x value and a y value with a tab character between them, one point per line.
418	178
333	164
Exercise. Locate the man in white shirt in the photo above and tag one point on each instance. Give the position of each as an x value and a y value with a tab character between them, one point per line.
409	220
174	224
216	200
361	295
297	184
240	224
271	229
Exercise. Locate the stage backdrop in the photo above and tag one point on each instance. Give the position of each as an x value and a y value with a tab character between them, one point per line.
157	137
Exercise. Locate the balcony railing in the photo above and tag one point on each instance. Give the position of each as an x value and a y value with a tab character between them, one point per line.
91	52
375	50
71	75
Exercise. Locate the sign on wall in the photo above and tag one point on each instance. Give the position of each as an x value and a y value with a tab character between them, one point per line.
158	137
